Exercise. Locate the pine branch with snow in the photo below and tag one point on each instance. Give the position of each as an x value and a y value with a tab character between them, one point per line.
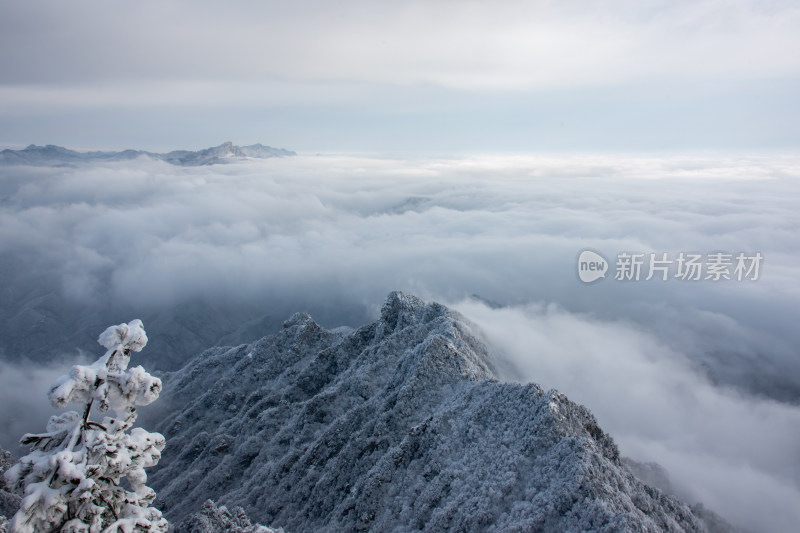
87	476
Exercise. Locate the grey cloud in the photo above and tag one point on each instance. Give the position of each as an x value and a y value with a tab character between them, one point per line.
538	44
402	75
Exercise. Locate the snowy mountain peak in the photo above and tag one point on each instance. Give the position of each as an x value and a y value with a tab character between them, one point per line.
399	425
400	310
300	319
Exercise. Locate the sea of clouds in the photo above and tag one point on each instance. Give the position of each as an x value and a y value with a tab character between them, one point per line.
700	376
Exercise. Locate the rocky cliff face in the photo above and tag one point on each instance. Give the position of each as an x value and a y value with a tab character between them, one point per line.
397	426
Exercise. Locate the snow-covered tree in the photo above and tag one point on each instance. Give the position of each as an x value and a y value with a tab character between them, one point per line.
87	476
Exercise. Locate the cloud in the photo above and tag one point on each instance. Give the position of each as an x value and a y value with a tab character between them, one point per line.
507	228
382	75
677	371
24	407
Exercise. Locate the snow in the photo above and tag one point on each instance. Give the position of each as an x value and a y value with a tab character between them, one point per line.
214	519
131	336
71	480
397	426
108	380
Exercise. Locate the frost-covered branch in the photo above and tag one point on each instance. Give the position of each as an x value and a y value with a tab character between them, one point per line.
71	480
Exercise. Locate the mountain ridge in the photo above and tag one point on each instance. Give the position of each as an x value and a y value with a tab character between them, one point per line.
58	155
399	425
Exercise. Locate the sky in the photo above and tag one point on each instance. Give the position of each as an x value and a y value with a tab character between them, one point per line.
418	76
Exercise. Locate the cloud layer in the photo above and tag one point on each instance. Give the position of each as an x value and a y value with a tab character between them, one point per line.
702	377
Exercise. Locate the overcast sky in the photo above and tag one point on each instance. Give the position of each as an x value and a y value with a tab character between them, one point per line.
391	76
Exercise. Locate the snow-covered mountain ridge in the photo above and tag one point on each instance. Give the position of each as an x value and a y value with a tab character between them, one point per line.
400	425
57	155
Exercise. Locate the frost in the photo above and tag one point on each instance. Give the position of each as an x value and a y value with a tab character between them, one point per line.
397	426
214	519
129	336
72	480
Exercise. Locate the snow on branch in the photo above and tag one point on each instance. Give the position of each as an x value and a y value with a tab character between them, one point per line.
72	479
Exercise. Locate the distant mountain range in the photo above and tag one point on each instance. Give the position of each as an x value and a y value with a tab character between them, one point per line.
224	153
